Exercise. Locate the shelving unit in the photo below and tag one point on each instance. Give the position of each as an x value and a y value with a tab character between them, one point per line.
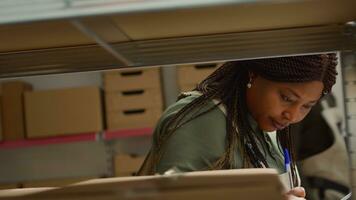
78	35
80	155
55	161
349	89
111	34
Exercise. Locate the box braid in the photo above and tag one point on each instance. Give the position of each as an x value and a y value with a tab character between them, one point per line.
228	85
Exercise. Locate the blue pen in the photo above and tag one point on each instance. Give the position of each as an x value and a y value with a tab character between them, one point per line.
287	163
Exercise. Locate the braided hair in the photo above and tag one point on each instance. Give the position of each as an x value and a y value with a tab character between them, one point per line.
228	85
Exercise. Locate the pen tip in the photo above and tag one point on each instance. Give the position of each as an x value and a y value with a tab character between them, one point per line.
286	156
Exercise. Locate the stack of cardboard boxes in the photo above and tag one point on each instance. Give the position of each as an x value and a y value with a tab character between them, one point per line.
189	76
133	98
27	114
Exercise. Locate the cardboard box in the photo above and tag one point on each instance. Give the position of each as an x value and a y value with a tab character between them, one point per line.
352	148
132	79
1	134
135	118
353	176
352	126
350	73
131	99
350	91
251	184
193	74
13	116
352	156
351	108
63	111
127	165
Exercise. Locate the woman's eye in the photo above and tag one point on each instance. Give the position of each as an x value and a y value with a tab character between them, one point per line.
285	98
307	106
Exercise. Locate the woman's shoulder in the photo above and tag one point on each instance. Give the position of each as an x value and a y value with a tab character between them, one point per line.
207	120
186	149
189	97
192	139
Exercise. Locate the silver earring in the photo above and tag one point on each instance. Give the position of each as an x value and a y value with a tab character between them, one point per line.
249	85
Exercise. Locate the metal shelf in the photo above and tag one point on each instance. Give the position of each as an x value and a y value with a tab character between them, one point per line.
55	161
93	35
79	155
195	49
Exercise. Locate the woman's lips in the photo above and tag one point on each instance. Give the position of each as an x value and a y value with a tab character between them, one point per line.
277	125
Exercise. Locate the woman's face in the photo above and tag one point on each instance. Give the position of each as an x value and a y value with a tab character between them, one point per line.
275	105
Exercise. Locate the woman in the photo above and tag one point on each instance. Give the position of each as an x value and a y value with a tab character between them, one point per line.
225	122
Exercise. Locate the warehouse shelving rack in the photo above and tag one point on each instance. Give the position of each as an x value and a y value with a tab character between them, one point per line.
120	33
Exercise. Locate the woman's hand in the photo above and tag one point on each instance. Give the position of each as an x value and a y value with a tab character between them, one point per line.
297	193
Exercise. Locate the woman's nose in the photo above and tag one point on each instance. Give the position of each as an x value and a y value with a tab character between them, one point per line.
292	115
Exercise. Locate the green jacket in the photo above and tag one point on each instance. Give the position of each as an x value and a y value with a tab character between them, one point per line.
196	145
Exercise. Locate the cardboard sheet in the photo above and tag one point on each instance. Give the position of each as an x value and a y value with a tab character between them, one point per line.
208	185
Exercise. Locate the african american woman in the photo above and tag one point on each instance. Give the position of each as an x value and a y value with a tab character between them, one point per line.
239	116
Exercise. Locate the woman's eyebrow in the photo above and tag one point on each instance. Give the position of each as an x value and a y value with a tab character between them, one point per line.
294	93
298	96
